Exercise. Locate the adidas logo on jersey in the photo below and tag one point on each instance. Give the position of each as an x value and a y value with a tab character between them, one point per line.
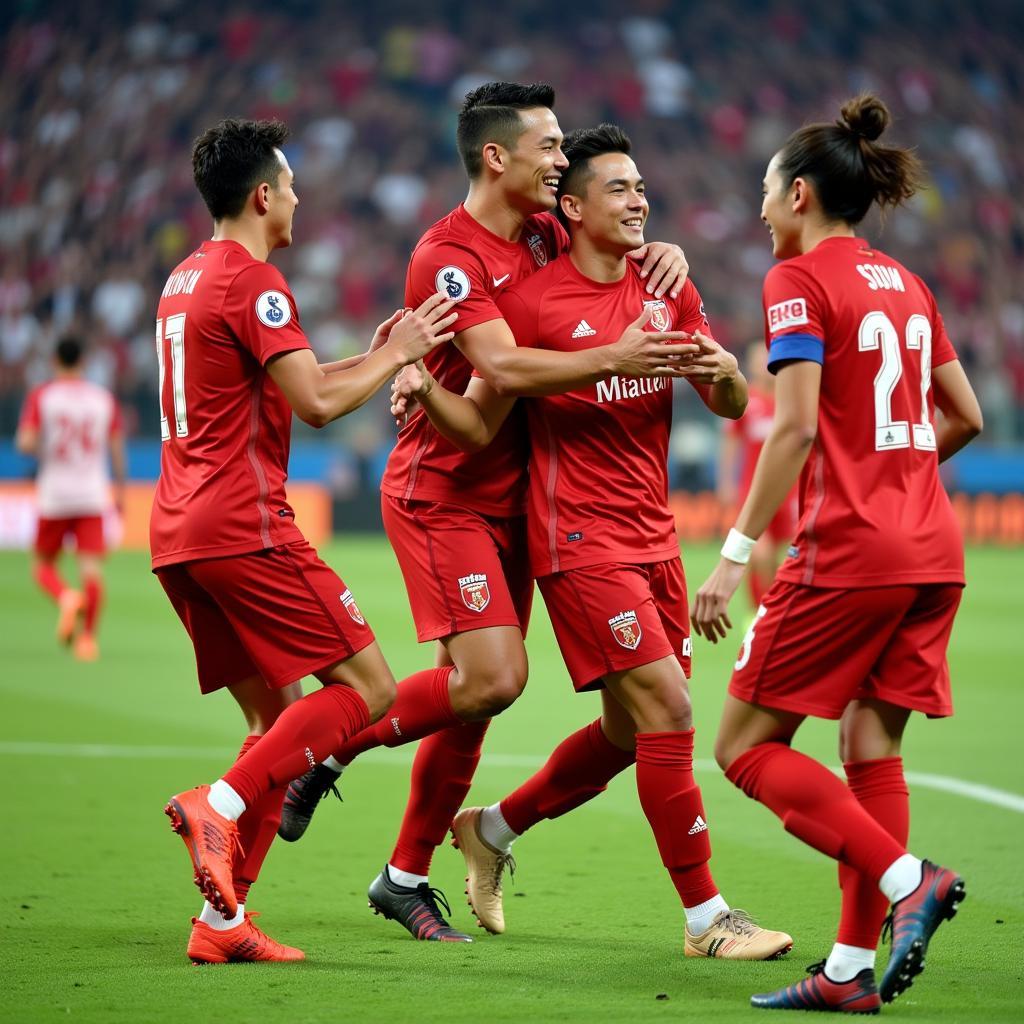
699	825
583	330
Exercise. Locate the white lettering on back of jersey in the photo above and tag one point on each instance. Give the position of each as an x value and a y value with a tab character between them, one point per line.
887	278
616	388
181	281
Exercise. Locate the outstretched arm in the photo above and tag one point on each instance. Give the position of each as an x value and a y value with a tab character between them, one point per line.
318	397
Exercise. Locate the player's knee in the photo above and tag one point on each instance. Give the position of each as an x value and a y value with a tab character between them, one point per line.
497	689
379	695
726	751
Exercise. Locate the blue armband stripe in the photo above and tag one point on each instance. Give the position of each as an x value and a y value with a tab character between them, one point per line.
789	347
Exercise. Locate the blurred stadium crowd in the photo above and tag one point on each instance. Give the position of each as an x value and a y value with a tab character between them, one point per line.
100	101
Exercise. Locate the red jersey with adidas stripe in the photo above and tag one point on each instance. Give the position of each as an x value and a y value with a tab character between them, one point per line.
598	456
225	425
459	257
873	511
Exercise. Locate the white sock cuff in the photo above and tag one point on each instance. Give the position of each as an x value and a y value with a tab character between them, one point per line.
330	761
494	829
406	878
225	801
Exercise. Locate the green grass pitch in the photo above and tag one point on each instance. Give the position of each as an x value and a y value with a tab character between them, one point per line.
97	892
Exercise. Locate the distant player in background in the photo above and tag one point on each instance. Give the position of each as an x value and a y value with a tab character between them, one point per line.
262	610
741	444
856	625
73	427
603	544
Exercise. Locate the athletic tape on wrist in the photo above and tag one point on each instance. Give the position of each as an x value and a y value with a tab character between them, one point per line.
737	547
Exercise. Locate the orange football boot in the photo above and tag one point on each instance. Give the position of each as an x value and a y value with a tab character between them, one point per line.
70	607
244	942
212	842
86	648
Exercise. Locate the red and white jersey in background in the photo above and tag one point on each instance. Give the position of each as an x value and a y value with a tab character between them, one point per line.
459	257
225	425
75	420
873	510
598	456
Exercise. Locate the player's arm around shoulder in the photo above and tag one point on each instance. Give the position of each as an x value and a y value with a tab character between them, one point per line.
318	397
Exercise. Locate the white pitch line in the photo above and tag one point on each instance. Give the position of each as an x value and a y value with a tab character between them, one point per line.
943	783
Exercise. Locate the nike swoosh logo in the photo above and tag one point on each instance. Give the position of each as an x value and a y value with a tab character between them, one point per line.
499	281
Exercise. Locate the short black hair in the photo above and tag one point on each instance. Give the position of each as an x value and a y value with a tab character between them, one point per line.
68	351
230	159
579	147
491	114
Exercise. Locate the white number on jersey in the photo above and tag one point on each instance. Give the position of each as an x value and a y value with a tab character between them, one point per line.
876	332
748	640
176	336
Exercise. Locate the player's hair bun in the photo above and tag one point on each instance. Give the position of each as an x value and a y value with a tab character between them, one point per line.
865	116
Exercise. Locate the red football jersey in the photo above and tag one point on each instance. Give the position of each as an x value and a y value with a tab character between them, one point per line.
460	257
598	456
872	508
225	425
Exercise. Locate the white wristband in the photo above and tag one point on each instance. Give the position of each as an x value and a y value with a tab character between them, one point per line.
737	547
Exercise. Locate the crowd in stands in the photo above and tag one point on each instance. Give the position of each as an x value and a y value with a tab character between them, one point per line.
100	101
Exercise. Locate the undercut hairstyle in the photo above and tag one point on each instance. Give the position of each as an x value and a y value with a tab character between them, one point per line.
68	351
849	168
579	147
234	156
491	114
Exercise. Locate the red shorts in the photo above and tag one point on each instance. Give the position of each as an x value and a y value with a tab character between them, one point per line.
87	530
812	650
463	570
614	617
280	613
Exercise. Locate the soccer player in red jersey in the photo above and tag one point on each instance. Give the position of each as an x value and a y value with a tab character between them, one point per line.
455	520
261	609
741	444
73	427
603	544
855	626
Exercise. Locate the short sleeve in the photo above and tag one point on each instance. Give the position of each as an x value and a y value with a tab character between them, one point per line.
942	347
455	271
793	318
690	313
519	318
260	311
30	418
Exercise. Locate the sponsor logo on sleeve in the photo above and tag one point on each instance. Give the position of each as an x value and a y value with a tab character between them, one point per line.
791	313
626	630
352	608
660	319
476	595
273	309
453	282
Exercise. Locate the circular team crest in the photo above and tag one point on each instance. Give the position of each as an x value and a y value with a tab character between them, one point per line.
452	281
273	309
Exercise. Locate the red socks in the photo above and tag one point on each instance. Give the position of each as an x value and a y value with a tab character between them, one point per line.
815	807
421	707
881	790
442	773
579	768
304	734
49	579
671	800
93	592
257	829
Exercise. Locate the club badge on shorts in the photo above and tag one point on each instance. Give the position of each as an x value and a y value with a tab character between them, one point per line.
626	630
476	595
660	320
352	608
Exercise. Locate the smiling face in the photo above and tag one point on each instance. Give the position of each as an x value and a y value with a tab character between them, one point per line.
612	209
533	167
778	211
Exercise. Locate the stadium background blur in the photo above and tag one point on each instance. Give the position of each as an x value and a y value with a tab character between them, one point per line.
100	102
